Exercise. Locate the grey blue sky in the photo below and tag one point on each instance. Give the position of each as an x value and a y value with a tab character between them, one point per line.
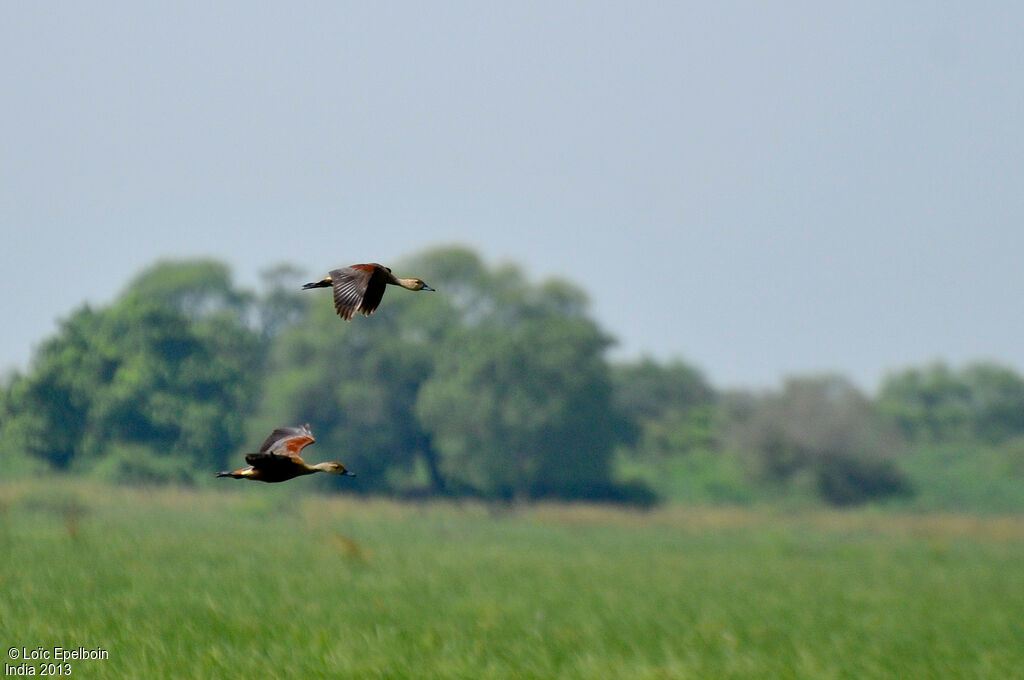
761	189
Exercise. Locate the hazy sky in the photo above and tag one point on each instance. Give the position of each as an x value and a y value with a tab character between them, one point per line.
761	189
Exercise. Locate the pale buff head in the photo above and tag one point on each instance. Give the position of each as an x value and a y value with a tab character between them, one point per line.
414	284
334	468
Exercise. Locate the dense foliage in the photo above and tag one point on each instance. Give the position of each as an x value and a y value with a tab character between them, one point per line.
824	428
148	388
494	386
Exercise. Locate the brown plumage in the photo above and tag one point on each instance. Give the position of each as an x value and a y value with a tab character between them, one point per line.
278	459
360	287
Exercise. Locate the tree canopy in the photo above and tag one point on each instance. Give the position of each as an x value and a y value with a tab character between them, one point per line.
934	403
495	386
824	427
140	382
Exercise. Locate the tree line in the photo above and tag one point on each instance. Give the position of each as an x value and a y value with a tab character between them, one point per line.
495	387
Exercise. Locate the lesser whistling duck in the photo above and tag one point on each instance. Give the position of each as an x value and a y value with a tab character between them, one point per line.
360	287
278	459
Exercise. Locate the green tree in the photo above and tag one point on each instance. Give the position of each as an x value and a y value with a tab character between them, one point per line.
667	409
997	401
825	427
281	303
518	402
197	288
982	401
649	389
473	294
140	381
523	411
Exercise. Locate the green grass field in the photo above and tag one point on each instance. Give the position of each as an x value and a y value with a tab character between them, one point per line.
269	582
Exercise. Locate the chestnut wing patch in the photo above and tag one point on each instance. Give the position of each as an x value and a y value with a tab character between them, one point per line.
286	441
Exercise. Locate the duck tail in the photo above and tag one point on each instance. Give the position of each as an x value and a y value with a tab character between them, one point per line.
322	283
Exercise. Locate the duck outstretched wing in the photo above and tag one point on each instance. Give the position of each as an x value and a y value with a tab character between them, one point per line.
286	441
358	288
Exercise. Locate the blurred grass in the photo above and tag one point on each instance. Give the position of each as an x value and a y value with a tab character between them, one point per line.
270	582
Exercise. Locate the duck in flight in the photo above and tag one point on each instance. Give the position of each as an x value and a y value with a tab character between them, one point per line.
360	287
279	458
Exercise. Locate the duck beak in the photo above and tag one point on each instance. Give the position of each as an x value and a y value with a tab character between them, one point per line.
426	287
348	474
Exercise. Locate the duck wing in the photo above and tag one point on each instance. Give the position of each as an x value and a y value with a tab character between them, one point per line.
358	288
287	442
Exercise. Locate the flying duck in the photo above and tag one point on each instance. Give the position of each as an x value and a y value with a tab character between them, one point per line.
278	459
360	287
